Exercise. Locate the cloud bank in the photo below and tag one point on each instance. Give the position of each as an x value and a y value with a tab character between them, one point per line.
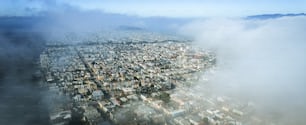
259	60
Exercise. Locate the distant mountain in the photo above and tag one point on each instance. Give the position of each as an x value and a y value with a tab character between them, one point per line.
86	21
272	16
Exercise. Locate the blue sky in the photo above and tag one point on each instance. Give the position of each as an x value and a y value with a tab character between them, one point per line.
168	8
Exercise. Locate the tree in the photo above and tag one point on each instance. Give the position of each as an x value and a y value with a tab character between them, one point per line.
164	97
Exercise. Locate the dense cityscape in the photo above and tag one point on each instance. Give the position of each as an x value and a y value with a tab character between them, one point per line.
136	82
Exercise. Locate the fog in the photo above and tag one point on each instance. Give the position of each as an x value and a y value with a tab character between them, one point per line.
19	90
262	61
62	20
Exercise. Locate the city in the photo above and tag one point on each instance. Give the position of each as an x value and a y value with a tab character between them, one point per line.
142	82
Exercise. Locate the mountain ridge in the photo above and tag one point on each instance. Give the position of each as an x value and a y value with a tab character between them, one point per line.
273	16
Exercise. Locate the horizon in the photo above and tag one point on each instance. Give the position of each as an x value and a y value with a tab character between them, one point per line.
169	8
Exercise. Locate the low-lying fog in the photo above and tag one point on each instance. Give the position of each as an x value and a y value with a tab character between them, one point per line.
262	61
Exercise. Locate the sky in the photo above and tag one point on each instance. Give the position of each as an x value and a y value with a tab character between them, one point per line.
163	8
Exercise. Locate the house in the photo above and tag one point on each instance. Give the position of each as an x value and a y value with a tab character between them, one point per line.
97	94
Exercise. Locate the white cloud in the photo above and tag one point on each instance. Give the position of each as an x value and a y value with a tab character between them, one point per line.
259	60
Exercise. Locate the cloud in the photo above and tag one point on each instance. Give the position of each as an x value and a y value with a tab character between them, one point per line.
20	94
258	60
